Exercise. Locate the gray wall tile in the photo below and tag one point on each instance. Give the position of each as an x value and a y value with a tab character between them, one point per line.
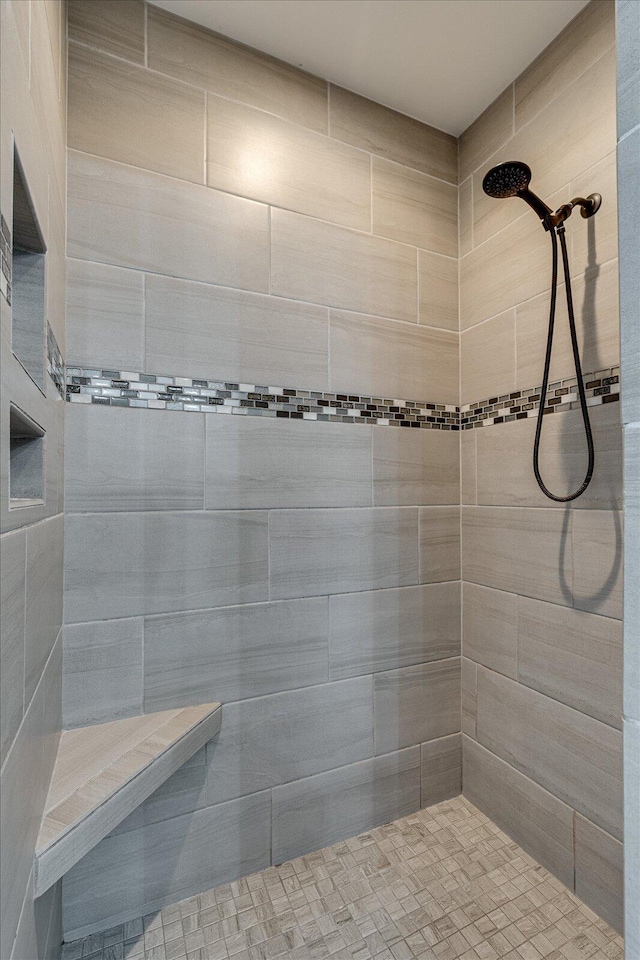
12	611
468	479
628	38
439	544
323	809
415	467
575	757
159	562
598	568
132	218
43	598
572	656
204	331
235	652
629	177
469	696
312	553
599	872
490	628
102	678
275	740
632	834
255	462
520	550
205	848
532	816
386	629
632	571
441	770
417	703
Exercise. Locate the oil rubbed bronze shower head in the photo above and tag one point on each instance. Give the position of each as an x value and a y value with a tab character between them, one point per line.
512	179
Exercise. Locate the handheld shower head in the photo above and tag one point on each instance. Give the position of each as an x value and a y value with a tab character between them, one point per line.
511	179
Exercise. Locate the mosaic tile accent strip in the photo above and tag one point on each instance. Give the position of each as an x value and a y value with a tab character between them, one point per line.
5	260
55	363
441	884
122	388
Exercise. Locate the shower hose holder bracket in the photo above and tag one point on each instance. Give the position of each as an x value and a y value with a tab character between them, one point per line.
588	207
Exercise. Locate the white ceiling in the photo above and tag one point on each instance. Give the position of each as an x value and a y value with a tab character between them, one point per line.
441	61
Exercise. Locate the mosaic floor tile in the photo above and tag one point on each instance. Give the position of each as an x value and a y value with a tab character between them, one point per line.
441	884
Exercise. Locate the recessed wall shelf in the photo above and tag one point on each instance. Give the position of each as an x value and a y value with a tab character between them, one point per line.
103	772
26	460
28	255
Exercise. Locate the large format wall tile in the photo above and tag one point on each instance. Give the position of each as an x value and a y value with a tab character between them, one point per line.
317	261
43	598
519	550
209	847
628	27
288	736
486	134
384	358
378	129
12	612
205	59
317	552
197	330
115	26
563	460
532	816
102	677
124	112
414	208
631	612
386	629
632	833
105	316
488	358
254	154
415	467
437	290
440	769
256	462
132	218
235	652
572	656
490	625
599	872
417	703
313	813
629	177
575	757
133	460
439	544
598	563
159	562
469	696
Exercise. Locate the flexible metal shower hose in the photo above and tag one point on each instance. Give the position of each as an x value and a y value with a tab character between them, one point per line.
577	364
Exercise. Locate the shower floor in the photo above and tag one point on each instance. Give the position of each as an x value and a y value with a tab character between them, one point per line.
441	884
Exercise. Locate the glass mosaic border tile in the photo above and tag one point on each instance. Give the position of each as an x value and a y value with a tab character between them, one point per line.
55	363
123	388
5	260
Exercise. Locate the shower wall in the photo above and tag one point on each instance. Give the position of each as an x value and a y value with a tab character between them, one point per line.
233	219
542	585
33	122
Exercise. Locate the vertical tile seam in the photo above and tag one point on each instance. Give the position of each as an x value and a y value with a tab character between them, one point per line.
146	34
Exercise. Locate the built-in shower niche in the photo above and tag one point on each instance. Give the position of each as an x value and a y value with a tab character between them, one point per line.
28	281
26	461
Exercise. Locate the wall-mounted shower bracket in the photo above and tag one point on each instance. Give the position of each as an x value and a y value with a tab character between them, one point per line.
588	207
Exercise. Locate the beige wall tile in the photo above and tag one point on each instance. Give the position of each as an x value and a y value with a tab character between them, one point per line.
595	298
599	872
414	208
415	467
488	358
519	550
380	130
133	218
595	241
441	769
580	44
115	26
208	331
126	113
563	460
469	683
597	549
384	358
575	757
490	628
439	544
468	482
572	656
317	261
254	154
437	290
465	217
486	134
537	820
205	59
